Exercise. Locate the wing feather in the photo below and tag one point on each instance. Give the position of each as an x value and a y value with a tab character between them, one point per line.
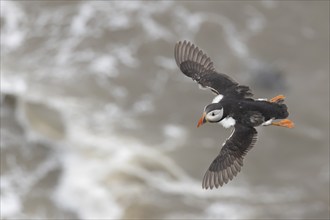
230	159
196	64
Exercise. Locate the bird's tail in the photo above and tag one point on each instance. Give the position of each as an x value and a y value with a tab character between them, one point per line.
283	111
282	108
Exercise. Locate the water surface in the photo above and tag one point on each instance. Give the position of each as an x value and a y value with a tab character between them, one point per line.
97	122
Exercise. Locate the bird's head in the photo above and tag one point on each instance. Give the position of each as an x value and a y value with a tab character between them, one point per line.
212	113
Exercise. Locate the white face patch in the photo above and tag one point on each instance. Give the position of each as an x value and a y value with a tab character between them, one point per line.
227	122
263	99
217	99
215	115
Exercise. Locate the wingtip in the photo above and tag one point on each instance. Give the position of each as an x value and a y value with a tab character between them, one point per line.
187	51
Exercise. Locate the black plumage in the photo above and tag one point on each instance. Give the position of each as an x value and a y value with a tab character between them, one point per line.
230	159
195	64
233	106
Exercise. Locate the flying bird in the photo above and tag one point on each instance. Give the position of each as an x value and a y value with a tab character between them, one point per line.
233	106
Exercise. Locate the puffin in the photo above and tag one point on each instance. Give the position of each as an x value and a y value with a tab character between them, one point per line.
232	107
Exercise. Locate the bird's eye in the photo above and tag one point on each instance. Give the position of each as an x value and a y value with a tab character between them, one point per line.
213	114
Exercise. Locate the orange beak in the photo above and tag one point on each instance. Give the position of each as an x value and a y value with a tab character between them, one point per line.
202	120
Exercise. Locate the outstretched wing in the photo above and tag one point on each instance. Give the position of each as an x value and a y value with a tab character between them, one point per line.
195	64
230	160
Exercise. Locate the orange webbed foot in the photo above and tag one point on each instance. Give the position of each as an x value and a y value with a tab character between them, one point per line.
284	123
277	99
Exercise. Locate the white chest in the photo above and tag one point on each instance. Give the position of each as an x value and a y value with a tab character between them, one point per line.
227	122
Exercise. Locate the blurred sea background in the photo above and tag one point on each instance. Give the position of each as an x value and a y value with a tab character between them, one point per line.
98	122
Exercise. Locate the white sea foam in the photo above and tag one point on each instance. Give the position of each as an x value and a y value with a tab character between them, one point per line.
11	203
13	32
96	162
12	84
81	190
174	135
225	210
105	65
